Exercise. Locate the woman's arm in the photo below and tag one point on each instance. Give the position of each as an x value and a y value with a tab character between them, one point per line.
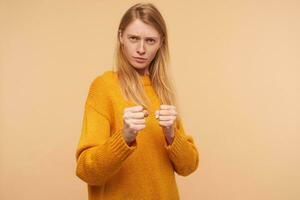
99	156
183	152
100	153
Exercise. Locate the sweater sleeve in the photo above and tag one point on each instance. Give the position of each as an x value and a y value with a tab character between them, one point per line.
182	151
100	153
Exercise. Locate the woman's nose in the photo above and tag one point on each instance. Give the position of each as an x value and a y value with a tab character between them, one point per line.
141	48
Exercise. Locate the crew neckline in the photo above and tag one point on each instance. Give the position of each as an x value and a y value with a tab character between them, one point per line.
145	79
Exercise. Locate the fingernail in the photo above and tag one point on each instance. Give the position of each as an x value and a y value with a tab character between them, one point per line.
156	114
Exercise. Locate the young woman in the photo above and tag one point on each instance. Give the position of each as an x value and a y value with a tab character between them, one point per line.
132	140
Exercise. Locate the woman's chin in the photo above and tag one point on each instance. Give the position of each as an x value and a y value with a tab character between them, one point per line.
139	65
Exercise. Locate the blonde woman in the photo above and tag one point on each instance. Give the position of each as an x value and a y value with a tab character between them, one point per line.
132	140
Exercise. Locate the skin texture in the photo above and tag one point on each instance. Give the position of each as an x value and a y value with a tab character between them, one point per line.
142	40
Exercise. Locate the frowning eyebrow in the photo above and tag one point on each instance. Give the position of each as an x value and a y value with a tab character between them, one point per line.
131	35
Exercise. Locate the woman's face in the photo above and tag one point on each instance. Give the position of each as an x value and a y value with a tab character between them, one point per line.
140	41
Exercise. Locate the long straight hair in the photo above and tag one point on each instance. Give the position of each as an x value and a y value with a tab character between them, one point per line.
130	81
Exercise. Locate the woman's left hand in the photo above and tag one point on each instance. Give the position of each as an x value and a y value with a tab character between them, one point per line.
167	118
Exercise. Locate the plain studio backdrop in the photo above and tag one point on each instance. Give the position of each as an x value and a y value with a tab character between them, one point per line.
235	65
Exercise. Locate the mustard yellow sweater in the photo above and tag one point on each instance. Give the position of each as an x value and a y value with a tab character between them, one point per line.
114	170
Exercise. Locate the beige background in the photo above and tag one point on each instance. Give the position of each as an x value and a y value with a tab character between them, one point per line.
236	67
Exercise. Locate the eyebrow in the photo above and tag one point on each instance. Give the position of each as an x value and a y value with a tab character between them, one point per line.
140	37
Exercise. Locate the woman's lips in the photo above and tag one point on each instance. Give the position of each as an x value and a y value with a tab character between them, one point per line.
140	60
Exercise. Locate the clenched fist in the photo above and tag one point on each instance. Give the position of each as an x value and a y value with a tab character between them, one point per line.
134	121
167	119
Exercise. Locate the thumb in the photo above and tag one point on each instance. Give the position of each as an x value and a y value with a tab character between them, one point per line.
145	113
157	114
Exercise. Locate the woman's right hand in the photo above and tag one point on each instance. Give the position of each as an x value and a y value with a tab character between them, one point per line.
134	121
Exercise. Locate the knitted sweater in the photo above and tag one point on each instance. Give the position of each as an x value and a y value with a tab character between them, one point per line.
114	170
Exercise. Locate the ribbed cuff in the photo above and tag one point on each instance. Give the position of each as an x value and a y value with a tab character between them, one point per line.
177	145
119	147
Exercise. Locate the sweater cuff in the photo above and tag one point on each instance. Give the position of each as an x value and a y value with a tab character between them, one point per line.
119	147
175	148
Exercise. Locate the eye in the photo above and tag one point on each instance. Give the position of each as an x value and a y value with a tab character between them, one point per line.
151	41
132	38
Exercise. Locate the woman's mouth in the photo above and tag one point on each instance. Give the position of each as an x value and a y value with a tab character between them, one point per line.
140	60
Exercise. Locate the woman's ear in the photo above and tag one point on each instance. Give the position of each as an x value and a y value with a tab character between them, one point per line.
120	37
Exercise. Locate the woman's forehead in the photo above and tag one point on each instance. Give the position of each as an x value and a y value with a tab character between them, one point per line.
139	28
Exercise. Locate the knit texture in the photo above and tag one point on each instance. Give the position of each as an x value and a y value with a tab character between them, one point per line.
115	171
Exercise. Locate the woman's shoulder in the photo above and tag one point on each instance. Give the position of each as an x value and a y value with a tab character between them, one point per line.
109	75
106	78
